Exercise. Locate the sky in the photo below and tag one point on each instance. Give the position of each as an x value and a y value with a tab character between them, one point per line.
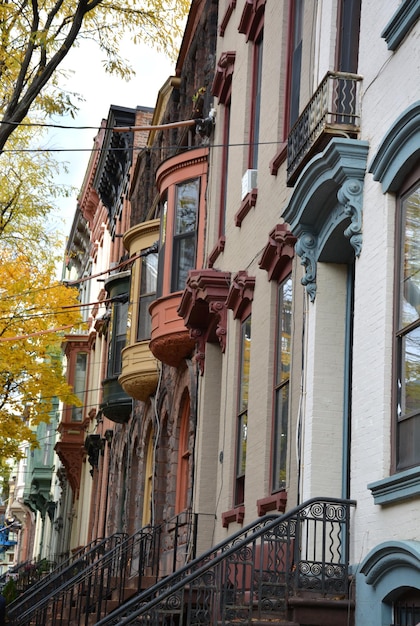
99	91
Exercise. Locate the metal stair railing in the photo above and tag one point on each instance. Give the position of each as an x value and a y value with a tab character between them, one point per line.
252	574
33	588
61	576
90	588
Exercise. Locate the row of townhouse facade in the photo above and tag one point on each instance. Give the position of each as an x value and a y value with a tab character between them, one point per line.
248	268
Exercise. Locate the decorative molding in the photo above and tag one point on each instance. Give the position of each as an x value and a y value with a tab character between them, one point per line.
279	158
223	76
225	19
72	455
325	208
389	555
399	150
401	23
278	254
350	196
307	248
248	202
241	294
234	515
203	309
275	502
251	18
400	486
218	249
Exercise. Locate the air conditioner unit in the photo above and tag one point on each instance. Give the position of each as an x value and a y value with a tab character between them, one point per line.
249	182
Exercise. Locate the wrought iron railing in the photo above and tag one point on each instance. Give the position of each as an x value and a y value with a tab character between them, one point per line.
90	588
334	108
251	575
36	587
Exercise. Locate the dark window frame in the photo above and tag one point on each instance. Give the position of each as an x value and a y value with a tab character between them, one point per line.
281	386
242	411
401	331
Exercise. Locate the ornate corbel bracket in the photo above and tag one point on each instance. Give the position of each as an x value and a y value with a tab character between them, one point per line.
350	196
203	309
306	248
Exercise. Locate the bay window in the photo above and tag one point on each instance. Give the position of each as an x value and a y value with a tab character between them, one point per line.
184	240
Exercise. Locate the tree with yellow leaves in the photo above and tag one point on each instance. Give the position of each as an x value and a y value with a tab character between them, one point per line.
35	38
35	311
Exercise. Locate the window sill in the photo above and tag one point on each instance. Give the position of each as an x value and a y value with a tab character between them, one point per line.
276	502
217	250
234	515
401	486
278	159
248	202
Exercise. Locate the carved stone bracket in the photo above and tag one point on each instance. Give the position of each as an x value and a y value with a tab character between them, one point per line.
241	293
350	196
306	248
203	309
278	254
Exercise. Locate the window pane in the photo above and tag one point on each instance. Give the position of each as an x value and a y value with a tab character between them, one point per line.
410	373
149	274
409	442
284	331
280	438
118	337
245	360
242	439
184	261
186	206
148	288
410	271
79	385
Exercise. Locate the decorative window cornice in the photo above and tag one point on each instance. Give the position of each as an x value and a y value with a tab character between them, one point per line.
325	210
252	18
278	254
223	76
399	150
241	294
401	23
203	309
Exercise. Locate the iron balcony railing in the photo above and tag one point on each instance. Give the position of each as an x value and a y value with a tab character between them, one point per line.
333	109
251	575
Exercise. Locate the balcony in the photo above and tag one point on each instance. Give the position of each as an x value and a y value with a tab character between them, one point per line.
170	340
332	111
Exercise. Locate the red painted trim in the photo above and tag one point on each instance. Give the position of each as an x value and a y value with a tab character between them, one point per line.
241	294
248	202
218	249
225	19
234	515
275	502
278	159
278	254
